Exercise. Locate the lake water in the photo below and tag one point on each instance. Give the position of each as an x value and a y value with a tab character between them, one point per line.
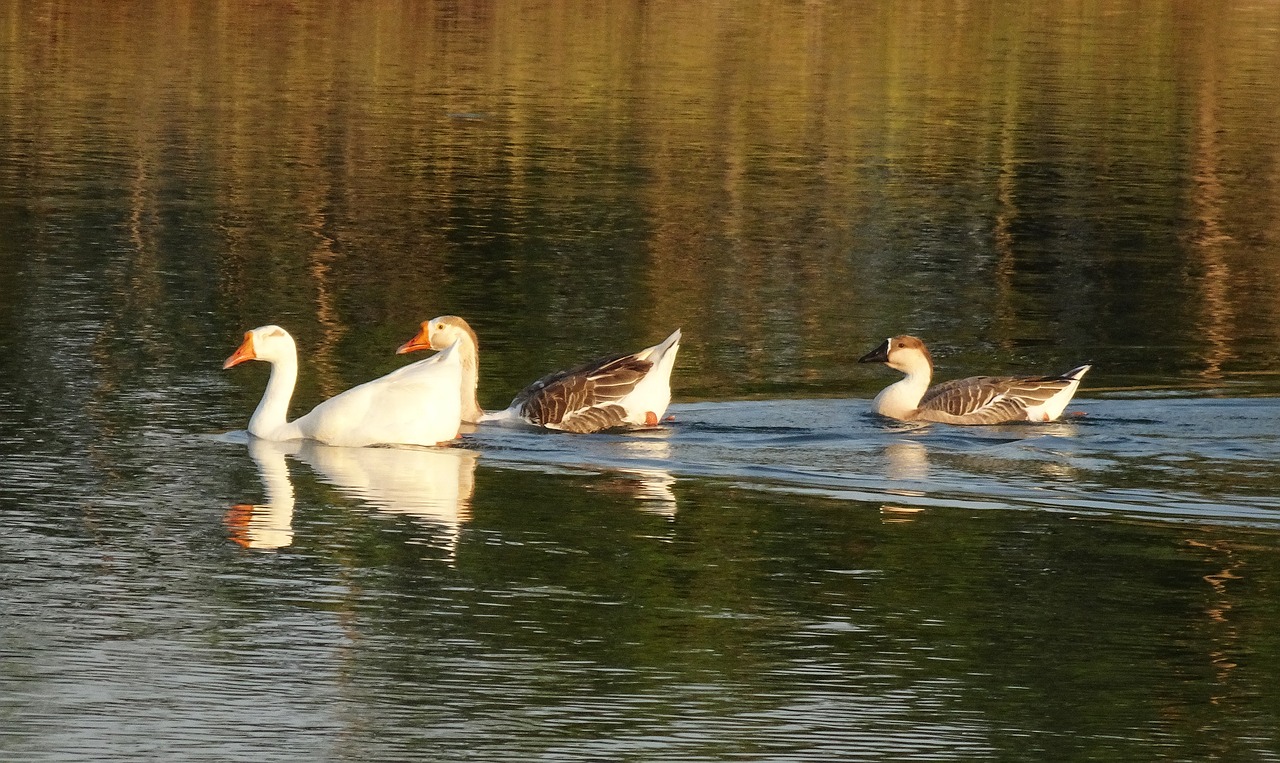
774	574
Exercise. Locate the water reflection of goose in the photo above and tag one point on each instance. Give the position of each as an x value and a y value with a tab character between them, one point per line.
975	400
653	486
434	485
629	390
267	525
415	405
906	460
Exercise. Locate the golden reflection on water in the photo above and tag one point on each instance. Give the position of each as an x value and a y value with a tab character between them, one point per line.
789	179
331	327
1211	239
891	514
1226	639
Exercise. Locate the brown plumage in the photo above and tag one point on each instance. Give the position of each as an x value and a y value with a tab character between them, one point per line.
628	390
975	400
990	399
580	399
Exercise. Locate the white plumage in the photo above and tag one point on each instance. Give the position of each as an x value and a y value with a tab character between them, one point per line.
414	405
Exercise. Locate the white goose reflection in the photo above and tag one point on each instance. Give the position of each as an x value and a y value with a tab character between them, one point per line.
433	485
652	487
267	525
906	461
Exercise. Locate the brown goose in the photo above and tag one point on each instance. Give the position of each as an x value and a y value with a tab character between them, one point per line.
975	400
631	390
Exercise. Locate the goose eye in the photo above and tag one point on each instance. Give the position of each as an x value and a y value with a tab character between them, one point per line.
439	327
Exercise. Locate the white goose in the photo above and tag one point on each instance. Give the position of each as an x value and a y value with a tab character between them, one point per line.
618	391
414	405
975	400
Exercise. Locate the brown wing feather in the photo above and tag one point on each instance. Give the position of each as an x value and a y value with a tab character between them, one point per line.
988	399
960	396
578	400
586	420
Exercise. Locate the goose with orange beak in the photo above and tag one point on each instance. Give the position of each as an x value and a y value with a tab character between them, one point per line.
616	392
414	405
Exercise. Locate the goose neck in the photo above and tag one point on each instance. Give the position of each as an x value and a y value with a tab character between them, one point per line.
470	360
900	399
272	412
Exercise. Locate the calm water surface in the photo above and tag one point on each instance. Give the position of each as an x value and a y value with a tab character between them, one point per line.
772	575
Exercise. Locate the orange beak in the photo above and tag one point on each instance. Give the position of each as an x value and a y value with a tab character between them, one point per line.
420	341
237	520
243	352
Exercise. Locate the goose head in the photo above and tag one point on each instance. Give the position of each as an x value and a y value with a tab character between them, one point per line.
440	333
268	343
903	353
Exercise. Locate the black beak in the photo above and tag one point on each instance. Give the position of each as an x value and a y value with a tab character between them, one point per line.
878	355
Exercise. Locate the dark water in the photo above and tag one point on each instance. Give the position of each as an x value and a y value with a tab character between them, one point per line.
775	574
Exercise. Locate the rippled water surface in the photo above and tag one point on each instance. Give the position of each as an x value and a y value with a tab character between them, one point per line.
773	573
